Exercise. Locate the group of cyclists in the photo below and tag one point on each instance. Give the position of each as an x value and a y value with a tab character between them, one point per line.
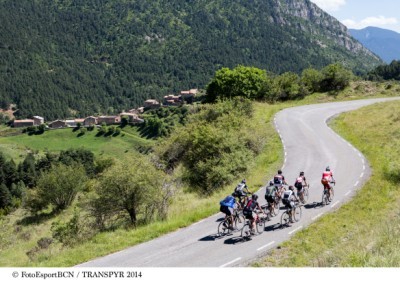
239	199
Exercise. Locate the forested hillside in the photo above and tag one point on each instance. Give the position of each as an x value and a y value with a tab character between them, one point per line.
69	58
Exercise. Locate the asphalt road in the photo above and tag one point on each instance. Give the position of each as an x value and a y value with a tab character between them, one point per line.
309	146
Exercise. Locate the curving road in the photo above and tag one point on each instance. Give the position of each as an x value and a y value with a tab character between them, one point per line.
309	145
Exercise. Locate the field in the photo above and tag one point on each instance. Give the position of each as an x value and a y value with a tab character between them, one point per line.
16	147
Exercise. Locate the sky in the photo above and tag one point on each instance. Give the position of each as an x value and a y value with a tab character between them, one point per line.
358	14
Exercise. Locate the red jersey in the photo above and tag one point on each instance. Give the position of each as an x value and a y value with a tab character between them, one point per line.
327	175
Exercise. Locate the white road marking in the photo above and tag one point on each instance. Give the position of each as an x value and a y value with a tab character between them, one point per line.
267	245
359	154
356	183
363	161
316	217
285	153
334	204
295	230
361	175
233	261
363	167
348	193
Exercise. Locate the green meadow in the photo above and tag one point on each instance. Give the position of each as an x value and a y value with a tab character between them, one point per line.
18	146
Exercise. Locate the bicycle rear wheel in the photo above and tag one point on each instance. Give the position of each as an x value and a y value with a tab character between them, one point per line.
245	233
277	204
297	213
239	222
223	228
332	194
305	195
325	198
260	225
285	218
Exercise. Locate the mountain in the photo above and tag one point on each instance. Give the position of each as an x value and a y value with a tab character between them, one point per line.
384	43
69	58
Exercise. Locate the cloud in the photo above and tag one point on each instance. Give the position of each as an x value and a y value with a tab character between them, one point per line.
379	21
329	5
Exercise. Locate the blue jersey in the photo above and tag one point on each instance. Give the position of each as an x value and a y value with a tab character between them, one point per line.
228	201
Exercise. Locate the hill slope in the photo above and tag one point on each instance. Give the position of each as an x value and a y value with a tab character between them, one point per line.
384	43
75	58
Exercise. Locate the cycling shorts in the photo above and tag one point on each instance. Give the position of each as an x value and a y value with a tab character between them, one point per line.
270	198
227	210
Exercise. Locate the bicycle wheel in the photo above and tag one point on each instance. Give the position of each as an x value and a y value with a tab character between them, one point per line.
260	225
297	213
239	222
305	196
277	204
245	233
285	218
223	228
332	194
325	198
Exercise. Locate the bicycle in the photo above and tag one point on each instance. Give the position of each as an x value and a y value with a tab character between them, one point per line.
278	198
326	197
224	227
272	208
285	218
304	198
260	226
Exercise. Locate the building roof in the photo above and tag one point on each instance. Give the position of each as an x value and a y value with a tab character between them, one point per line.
23	120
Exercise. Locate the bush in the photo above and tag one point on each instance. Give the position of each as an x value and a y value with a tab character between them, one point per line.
135	191
57	187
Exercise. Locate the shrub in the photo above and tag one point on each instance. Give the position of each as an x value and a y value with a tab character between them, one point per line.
57	187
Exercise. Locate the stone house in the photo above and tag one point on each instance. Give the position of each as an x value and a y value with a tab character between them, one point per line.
38	120
57	124
108	119
23	123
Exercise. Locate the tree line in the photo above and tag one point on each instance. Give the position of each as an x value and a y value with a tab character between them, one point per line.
255	83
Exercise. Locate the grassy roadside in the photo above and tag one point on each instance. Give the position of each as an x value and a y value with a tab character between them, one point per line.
365	231
17	240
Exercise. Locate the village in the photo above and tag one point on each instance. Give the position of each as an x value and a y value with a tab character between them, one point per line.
133	116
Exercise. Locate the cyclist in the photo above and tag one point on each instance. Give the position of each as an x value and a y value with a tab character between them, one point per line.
270	193
228	204
300	183
327	179
289	199
249	211
241	192
279	181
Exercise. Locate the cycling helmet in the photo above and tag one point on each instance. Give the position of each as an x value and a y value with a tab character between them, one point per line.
271	182
328	169
291	187
301	173
254	197
244	180
279	172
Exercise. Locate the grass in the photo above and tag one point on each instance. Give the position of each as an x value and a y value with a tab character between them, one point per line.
187	208
366	231
16	147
